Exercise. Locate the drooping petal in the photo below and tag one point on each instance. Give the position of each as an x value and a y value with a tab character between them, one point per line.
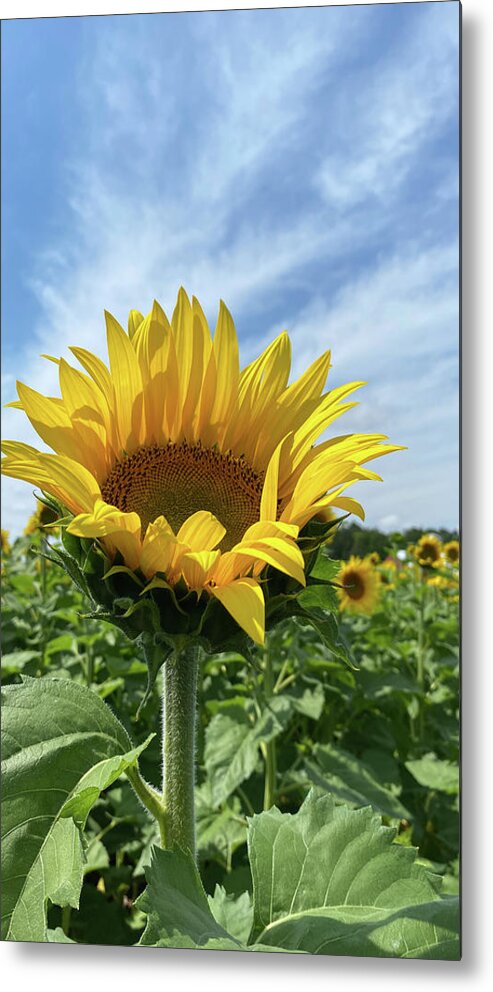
244	600
196	567
122	530
281	553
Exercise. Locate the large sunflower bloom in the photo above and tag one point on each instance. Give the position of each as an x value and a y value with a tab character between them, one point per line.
186	466
359	588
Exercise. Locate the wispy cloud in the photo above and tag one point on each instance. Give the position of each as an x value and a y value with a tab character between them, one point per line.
390	120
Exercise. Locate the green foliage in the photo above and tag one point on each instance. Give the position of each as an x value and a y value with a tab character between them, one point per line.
352	539
62	747
381	734
327	880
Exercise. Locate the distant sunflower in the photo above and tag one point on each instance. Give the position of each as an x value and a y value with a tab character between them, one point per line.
428	550
374	557
360	584
42	517
5	545
451	551
187	466
442	582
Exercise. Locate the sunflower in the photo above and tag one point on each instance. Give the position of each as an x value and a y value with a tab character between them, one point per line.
428	550
374	557
441	582
42	517
183	466
359	586
5	545
451	551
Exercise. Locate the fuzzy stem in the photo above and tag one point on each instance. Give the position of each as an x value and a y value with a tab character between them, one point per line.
179	705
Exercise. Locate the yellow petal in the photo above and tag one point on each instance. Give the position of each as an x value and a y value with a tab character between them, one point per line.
102	520
58	475
278	552
158	547
88	411
201	532
97	370
309	385
196	567
18	449
135	319
121	530
182	325
227	364
268	502
316	480
260	385
50	420
270	528
349	505
201	345
293	407
152	343
205	429
244	600
127	385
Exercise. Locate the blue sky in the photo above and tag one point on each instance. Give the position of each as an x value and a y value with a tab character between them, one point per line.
301	164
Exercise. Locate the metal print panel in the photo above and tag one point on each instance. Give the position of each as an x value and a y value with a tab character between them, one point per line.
230	609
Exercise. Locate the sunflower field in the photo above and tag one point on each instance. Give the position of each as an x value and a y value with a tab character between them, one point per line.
327	782
215	733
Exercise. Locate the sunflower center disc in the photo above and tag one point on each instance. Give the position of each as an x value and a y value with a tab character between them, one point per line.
354	586
429	552
176	480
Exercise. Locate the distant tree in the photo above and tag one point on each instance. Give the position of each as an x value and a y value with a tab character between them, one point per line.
353	539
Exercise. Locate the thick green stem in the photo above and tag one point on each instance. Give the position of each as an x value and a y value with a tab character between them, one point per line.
269	747
179	706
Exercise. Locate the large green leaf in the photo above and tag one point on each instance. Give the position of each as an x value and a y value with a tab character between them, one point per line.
330	880
61	745
235	914
178	913
351	780
433	773
232	744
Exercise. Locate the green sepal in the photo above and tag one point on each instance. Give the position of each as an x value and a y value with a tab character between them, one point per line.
162	618
122	569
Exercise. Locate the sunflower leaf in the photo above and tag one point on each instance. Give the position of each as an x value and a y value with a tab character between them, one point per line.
329	880
61	746
178	913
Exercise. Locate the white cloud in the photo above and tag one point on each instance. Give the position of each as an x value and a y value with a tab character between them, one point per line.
387	122
396	327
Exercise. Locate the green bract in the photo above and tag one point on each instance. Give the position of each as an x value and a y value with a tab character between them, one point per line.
165	619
